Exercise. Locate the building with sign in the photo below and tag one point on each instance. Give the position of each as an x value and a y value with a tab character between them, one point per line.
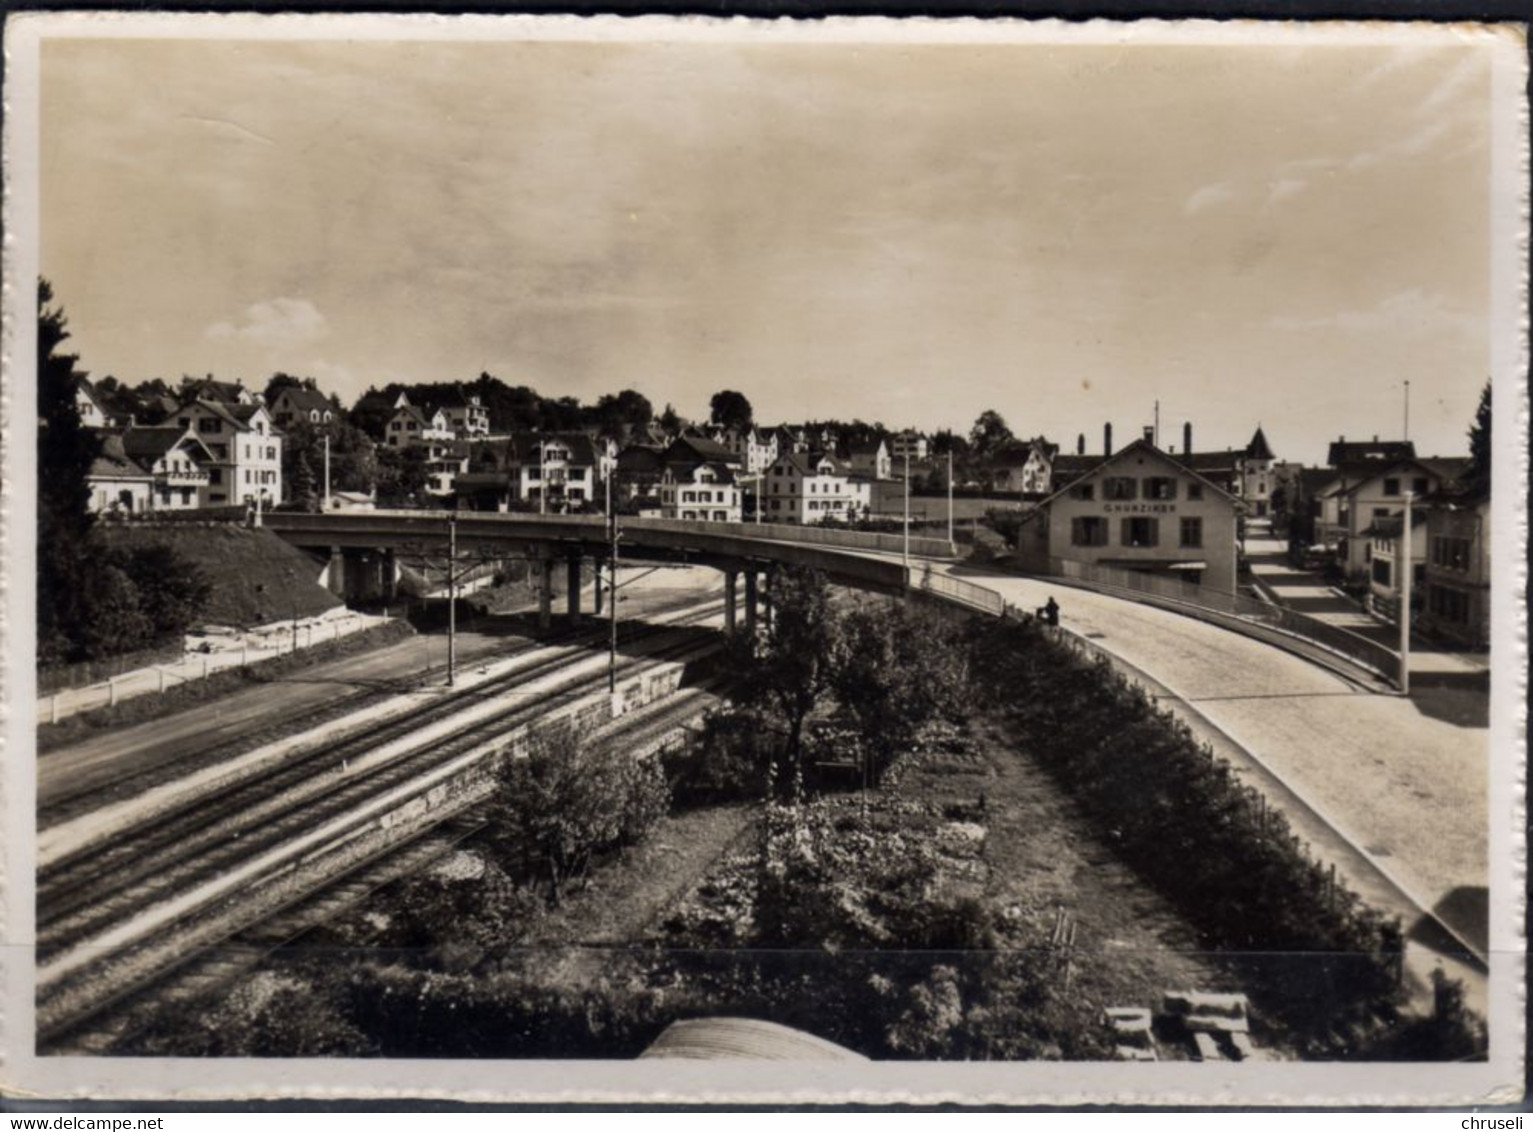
1142	510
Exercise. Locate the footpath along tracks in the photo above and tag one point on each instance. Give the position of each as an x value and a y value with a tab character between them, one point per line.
210	863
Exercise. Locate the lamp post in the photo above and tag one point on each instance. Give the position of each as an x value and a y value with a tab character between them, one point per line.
452	594
950	496
1406	568
905	555
612	599
327	472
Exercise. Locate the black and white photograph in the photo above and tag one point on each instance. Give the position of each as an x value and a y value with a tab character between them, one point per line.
556	558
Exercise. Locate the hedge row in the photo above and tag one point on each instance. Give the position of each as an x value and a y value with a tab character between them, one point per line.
1325	963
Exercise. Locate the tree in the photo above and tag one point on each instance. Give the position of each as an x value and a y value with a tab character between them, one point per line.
65	451
570	800
730	410
670	420
1478	475
401	476
301	491
280	381
172	590
619	414
989	434
792	664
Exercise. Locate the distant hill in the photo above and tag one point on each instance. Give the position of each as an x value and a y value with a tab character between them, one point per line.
257	578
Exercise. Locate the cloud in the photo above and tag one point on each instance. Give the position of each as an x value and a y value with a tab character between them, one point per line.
1207	197
277	323
1414	314
1279	191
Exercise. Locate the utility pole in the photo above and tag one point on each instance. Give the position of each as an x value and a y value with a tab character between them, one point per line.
1155	438
452	595
542	476
1407	568
612	602
950	496
906	555
1407	435
327	473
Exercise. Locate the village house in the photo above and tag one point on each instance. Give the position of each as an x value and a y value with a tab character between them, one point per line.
465	415
410	426
1025	466
704	490
93	414
117	483
1456	603
1379	494
541	471
245	450
1390	548
869	459
909	444
801	487
176	459
295	404
752	450
1140	510
224	392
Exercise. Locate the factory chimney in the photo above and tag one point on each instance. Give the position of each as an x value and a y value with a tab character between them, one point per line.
1186	437
1107	439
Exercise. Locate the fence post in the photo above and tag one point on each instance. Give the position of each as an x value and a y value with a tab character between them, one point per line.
204	666
244	652
53	708
111	691
162	677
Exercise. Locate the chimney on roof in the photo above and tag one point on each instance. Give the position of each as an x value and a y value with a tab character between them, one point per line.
1080	444
1107	439
1375	438
1149	434
1187	436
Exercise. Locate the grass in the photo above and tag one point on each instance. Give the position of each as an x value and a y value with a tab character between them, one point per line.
256	577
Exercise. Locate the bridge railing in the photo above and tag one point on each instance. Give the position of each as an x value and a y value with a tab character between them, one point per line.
956	590
1354	646
806	534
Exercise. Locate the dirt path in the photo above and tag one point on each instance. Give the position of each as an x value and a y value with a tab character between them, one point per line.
626	897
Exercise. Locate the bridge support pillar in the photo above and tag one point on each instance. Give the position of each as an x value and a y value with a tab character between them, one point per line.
545	568
750	601
335	574
767	578
731	583
596	588
572	585
389	575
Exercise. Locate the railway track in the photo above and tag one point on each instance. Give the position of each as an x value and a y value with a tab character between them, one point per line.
115	922
134	1009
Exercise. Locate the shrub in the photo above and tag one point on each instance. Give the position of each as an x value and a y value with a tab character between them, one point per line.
727	762
569	801
1193	830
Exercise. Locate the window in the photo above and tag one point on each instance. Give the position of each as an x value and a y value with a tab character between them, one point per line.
1419	485
1448	604
1450	553
215	475
1194	491
1120	487
1140	532
1192	532
1381	512
186	422
1088	530
1391	486
210	424
1160	487
1382	572
1084	491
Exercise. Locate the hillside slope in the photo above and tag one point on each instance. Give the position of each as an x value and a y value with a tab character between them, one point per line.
257	578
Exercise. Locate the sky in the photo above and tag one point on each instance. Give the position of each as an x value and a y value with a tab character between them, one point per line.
910	234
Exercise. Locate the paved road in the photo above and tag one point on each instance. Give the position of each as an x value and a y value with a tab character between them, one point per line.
1405	786
109	756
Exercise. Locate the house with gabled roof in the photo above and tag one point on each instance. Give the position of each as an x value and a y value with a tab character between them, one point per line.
1367	493
811	487
93	411
176	458
1142	510
297	403
118	484
246	451
1024	466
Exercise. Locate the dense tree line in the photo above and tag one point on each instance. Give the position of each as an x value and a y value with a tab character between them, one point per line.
93	601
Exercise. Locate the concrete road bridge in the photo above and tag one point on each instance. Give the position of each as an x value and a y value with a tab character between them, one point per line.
364	548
